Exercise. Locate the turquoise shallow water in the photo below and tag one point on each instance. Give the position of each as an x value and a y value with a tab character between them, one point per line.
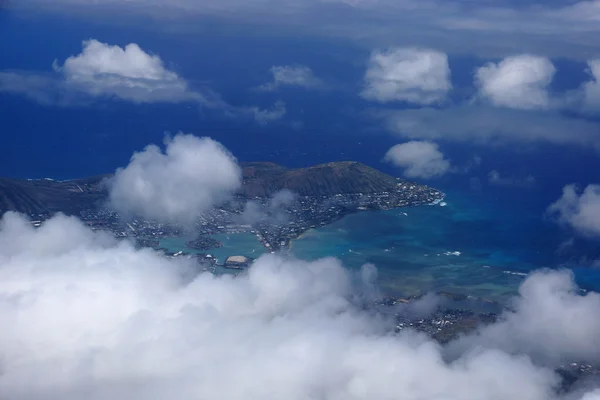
415	250
464	247
238	244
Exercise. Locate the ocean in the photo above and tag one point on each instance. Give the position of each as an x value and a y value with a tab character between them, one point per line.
462	246
459	248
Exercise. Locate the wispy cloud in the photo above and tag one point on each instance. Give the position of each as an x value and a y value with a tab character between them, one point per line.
495	178
494	29
490	126
299	76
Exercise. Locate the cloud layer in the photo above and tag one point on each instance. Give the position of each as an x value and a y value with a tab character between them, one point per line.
192	175
419	76
419	159
489	125
94	318
551	322
492	29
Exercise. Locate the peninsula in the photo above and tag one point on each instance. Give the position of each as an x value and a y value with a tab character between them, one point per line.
315	196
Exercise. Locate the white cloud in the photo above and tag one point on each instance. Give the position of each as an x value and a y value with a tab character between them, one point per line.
590	91
102	71
551	322
128	73
491	126
419	76
93	318
419	159
291	75
517	82
495	178
39	88
265	115
192	175
580	211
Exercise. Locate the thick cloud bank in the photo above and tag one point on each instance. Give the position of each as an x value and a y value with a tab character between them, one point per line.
190	176
419	159
580	211
85	316
413	75
517	82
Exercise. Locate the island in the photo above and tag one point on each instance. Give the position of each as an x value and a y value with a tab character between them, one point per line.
315	196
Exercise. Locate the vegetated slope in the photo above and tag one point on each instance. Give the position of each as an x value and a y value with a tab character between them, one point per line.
41	196
261	179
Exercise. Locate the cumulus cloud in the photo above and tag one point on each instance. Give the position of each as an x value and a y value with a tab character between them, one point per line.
517	82
589	95
579	211
94	318
103	71
419	76
550	321
177	185
128	73
495	178
419	159
490	125
291	75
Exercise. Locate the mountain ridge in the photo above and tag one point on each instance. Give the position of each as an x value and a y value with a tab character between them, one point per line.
260	179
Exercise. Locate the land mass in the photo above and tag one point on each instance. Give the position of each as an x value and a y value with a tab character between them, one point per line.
263	179
260	179
318	195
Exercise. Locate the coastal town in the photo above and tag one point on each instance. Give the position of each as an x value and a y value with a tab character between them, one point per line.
274	225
